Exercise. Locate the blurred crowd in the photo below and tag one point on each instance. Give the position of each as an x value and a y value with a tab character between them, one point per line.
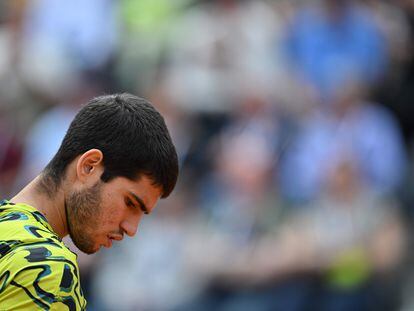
294	125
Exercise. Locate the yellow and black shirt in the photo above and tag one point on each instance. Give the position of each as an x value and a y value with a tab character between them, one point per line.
37	271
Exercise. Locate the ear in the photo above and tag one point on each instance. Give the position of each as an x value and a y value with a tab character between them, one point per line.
90	165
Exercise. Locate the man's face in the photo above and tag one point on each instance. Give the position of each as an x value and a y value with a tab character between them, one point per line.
105	211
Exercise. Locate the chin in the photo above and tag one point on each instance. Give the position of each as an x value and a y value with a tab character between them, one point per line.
90	251
87	249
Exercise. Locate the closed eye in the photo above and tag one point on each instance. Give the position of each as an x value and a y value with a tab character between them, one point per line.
141	203
129	203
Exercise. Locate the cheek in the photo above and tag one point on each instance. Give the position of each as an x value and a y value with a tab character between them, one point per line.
111	216
112	209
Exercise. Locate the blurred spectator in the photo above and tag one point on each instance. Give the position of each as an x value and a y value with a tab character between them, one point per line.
47	132
15	100
237	197
44	139
333	39
10	141
243	161
233	54
394	25
397	91
73	37
365	131
10	154
146	28
177	119
232	50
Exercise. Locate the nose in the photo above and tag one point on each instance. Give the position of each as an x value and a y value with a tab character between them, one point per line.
130	226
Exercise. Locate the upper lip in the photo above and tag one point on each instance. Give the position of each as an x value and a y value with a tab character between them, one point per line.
116	237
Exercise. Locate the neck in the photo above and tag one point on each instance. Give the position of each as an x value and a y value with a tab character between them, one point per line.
51	206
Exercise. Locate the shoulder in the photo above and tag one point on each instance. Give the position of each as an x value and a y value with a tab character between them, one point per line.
38	275
42	275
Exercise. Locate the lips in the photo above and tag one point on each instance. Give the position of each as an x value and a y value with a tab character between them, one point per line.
116	237
108	243
112	237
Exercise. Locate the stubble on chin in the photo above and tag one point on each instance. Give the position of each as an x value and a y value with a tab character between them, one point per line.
82	210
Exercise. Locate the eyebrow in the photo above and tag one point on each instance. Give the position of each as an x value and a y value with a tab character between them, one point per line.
141	203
